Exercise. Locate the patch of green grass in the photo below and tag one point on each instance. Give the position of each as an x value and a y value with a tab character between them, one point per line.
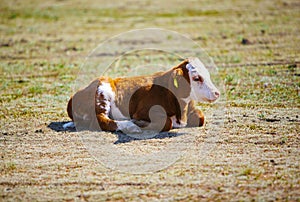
261	85
37	14
35	90
246	172
188	13
8	167
261	115
230	79
11	94
283	140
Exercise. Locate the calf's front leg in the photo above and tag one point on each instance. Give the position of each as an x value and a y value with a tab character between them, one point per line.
154	119
195	117
107	124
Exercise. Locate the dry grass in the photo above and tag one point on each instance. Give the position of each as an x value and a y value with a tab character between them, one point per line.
255	155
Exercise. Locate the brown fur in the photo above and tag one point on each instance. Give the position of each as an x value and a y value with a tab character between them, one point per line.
135	97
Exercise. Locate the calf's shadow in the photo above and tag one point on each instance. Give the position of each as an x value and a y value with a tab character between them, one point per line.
122	137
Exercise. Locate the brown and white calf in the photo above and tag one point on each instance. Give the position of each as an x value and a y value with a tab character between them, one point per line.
161	101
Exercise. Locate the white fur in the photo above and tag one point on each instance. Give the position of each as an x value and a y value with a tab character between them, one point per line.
123	125
107	91
128	127
69	125
109	96
175	124
205	91
187	99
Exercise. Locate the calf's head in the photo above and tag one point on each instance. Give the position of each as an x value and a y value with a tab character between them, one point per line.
191	78
202	88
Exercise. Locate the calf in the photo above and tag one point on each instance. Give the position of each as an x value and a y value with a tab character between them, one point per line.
160	102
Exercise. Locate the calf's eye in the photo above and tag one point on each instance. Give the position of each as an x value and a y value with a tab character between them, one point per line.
198	79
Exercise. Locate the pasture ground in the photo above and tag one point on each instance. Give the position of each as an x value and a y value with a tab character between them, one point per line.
255	156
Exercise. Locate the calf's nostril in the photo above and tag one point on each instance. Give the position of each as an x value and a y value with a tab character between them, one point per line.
217	94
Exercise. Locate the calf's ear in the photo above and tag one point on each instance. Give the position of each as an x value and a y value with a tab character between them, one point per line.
182	64
176	74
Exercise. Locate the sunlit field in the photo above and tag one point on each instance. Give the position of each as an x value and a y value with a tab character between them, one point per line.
255	153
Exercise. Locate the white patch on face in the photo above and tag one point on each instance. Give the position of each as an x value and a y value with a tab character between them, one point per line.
202	88
177	125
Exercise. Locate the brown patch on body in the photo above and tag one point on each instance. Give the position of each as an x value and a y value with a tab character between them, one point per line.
137	98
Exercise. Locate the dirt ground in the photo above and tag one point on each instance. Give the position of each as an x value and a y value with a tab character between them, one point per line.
252	154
